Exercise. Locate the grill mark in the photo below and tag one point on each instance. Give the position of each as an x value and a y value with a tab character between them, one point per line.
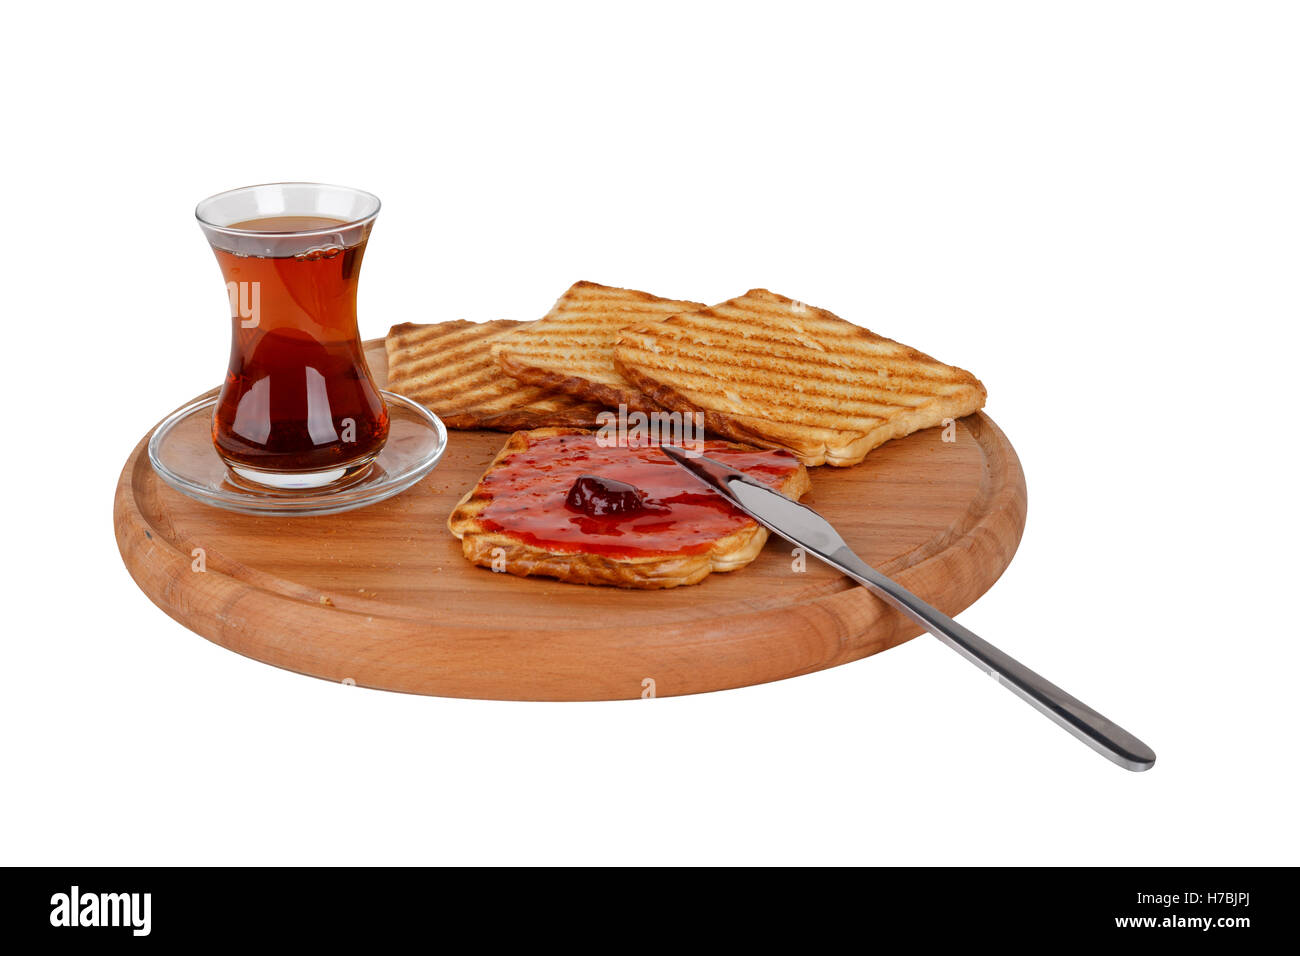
575	330
451	352
855	359
439	370
438	331
467	381
479	387
837	337
614	305
796	369
490	399
782	328
852	410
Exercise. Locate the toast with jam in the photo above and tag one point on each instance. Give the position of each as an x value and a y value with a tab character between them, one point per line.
566	503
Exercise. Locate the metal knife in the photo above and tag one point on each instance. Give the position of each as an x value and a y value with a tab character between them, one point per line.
802	526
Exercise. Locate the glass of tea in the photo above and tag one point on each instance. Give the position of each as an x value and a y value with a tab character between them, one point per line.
299	408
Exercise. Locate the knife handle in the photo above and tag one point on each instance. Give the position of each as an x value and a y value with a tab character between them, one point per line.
1104	736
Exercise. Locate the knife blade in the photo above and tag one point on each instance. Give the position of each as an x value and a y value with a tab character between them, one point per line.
804	527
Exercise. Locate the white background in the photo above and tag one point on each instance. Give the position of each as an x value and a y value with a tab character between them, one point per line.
1094	206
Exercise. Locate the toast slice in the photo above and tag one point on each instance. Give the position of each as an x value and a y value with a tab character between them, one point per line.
774	372
571	348
517	518
448	367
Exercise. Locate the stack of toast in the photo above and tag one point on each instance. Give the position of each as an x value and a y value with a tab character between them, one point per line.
760	369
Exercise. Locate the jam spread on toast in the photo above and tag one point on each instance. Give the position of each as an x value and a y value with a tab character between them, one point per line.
569	493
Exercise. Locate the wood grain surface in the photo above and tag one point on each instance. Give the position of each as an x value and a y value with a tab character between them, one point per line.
382	596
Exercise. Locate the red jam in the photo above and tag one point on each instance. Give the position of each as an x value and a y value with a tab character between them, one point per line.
530	490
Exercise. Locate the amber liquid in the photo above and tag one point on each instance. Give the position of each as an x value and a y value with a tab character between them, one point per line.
298	396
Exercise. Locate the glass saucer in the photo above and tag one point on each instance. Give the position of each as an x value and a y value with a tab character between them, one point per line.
181	452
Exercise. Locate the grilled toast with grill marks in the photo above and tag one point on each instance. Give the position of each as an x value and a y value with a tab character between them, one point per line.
531	475
774	372
448	367
571	348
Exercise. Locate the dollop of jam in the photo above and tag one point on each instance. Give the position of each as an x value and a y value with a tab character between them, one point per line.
599	497
528	496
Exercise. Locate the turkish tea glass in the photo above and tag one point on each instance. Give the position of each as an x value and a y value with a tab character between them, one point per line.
299	407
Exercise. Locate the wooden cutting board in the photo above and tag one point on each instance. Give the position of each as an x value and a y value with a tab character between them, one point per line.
382	596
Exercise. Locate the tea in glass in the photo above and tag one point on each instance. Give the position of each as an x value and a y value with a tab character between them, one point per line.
299	407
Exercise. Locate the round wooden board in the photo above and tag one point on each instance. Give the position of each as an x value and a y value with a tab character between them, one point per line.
382	596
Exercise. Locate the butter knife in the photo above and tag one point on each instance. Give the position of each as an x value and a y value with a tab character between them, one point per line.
802	526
